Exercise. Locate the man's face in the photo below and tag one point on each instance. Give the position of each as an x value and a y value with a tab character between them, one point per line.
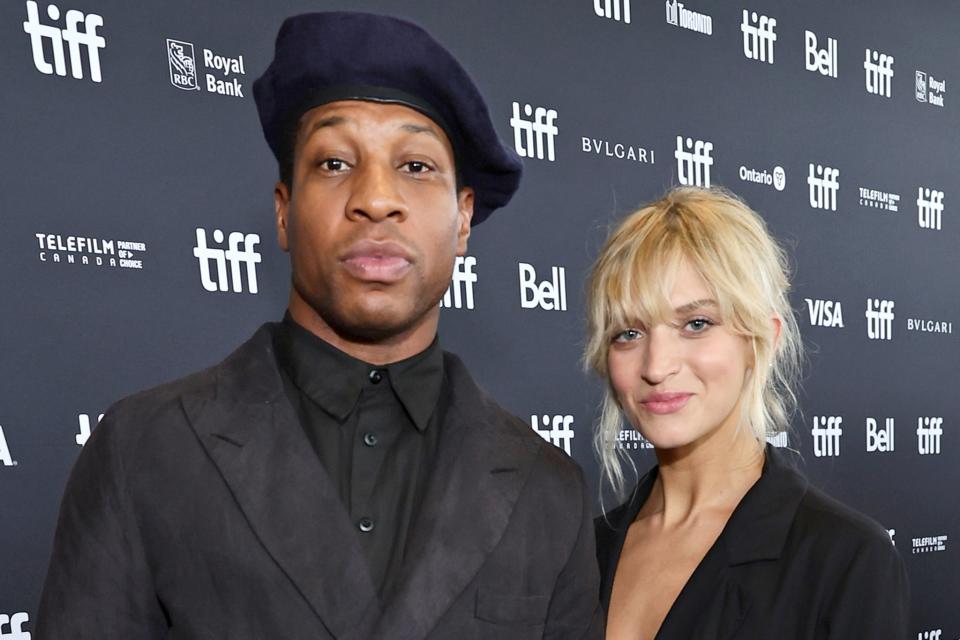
373	220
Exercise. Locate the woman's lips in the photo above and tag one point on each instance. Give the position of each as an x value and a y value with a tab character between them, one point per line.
664	403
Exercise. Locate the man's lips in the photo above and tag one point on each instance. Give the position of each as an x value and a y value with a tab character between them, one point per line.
664	403
377	261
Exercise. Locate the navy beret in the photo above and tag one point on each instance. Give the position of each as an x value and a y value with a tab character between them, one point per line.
330	56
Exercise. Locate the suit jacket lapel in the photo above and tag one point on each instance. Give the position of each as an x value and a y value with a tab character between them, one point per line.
481	466
251	433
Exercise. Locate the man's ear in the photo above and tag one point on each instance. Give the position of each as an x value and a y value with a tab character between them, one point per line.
464	217
281	205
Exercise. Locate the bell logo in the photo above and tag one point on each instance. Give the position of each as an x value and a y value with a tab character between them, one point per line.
929	431
543	125
557	430
824	313
549	295
5	458
880	438
826	435
822	60
15	622
84	434
72	35
460	291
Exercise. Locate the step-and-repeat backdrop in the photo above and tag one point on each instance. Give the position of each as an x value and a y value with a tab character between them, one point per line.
137	240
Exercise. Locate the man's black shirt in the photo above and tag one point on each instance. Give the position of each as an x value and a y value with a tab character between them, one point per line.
373	429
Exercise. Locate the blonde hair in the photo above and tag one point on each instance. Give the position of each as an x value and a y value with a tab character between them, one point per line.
729	246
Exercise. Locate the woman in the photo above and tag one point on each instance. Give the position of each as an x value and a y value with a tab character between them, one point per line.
690	325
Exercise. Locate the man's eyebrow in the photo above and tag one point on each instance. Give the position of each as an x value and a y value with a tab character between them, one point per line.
417	128
331	121
696	304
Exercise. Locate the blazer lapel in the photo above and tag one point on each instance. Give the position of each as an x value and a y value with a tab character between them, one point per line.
481	466
251	433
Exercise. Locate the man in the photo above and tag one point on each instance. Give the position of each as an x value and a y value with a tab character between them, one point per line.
338	476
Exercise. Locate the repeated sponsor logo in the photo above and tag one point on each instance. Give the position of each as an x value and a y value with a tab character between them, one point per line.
11	626
459	294
929	208
6	459
679	16
880	437
878	72
779	440
876	199
880	317
631	440
892	533
921	325
929	89
759	36
694	160
240	251
823	61
929	544
549	295
929	431
555	429
534	131
184	72
85	250
776	177
618	150
827	432
618	10
824	183
933	634
83	420
824	313
76	41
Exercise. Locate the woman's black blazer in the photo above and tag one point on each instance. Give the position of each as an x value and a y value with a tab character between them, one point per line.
791	563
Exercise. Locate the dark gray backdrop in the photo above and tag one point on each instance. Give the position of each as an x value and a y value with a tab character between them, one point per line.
133	158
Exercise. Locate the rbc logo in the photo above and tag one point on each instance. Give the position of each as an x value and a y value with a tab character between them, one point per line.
879	319
693	162
878	72
929	431
759	34
183	65
880	438
549	295
88	38
233	254
557	430
16	622
825	313
543	125
824	184
822	60
612	9
929	208
826	435
461	285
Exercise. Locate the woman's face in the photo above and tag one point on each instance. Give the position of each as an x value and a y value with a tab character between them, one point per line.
680	382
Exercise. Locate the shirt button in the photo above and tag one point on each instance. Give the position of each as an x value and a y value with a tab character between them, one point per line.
365	525
375	376
370	439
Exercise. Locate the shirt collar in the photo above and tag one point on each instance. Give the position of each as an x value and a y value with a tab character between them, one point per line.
334	379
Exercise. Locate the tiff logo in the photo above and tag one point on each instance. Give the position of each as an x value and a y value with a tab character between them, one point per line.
5	457
879	316
826	435
693	161
824	313
759	34
16	622
929	208
72	35
534	138
878	72
612	9
824	183
233	254
934	634
880	438
557	430
85	429
823	61
929	431
460	291
549	295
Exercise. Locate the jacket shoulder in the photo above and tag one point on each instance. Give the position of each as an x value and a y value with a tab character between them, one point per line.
836	526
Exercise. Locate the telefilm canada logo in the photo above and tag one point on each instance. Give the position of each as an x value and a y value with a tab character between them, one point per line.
877	199
55	248
459	294
929	544
222	73
630	439
76	41
11	626
555	429
929	89
679	16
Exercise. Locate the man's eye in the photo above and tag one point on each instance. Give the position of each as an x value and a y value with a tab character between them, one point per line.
415	166
333	164
628	335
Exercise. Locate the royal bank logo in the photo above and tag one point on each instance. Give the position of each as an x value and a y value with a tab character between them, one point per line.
459	294
631	440
879	316
824	183
776	177
89	251
80	42
534	131
617	150
827	431
878	72
549	295
880	437
83	434
240	255
929	544
876	199
680	16
921	325
929	208
222	75
759	36
933	634
183	65
823	61
824	313
929	89
618	10
556	429
5	458
11	626
694	160
929	431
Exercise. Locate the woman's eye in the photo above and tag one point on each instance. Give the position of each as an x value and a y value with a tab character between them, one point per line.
698	325
628	335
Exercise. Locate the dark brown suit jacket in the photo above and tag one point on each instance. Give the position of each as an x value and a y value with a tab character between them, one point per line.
198	510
